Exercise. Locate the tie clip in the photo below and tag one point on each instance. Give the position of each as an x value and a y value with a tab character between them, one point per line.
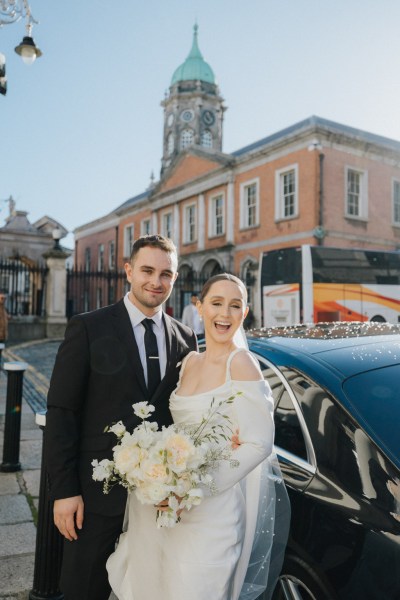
156	357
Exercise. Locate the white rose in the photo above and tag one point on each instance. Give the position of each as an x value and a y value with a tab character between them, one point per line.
127	458
152	492
179	451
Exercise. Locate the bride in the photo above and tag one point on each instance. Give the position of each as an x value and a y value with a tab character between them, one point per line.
221	549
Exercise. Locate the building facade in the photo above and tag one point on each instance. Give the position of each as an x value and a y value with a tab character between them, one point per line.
315	182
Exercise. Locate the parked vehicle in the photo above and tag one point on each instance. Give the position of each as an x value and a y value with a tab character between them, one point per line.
310	284
336	388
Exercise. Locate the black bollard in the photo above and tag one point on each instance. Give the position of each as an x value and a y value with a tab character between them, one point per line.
12	425
49	541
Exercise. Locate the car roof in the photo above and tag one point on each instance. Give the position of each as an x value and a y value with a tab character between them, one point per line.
347	348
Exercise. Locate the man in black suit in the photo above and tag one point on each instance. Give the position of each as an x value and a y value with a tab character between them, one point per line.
100	371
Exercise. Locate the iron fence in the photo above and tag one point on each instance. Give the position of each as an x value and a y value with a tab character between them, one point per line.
24	286
88	290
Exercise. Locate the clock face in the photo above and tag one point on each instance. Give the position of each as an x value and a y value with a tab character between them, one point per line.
208	117
187	115
170	119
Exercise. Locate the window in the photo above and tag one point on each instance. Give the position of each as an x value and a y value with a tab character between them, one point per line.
249	216
216	225
145	227
170	144
166	224
286	193
99	297
186	138
111	254
189	224
396	202
356	194
128	240
88	259
206	139
100	258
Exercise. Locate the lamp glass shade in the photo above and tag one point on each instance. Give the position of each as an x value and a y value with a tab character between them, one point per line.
28	51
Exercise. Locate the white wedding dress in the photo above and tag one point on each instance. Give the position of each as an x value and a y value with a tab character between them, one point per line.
205	556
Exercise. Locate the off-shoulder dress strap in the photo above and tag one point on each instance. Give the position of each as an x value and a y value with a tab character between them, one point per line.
229	361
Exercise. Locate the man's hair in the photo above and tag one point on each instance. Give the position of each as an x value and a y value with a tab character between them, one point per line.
154	241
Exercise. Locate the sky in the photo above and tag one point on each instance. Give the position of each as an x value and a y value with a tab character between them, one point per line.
81	129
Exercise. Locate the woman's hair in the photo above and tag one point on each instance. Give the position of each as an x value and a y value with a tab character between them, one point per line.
222	277
155	241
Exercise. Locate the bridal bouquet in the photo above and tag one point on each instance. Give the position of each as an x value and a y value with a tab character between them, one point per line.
171	465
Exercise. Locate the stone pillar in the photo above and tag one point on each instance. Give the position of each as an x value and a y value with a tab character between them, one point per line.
56	292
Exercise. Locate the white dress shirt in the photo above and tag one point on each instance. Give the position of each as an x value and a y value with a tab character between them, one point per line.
136	316
191	318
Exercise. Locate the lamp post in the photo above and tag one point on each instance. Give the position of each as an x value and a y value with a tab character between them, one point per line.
12	11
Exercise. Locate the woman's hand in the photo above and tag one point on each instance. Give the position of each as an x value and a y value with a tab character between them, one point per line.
163	505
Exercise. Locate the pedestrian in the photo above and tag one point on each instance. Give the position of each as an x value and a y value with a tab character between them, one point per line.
110	359
3	318
191	317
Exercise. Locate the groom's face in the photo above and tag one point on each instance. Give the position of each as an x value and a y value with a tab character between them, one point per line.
152	275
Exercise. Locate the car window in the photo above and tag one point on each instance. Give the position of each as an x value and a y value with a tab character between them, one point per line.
288	431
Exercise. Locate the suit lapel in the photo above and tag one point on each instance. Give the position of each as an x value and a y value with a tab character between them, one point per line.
123	326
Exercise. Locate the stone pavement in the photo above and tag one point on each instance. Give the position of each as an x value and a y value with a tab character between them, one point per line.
19	492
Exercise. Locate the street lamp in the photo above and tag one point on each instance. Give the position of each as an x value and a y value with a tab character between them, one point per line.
12	11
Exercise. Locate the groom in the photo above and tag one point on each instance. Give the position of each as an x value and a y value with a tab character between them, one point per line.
100	371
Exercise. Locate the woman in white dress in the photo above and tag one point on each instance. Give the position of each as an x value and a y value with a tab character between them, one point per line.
206	555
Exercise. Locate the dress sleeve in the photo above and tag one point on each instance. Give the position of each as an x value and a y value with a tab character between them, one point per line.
252	415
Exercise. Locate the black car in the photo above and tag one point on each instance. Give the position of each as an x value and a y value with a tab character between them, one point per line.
336	389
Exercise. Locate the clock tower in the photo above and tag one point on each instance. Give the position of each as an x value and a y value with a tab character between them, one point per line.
193	108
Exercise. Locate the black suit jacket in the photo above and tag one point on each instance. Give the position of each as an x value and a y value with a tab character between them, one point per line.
97	377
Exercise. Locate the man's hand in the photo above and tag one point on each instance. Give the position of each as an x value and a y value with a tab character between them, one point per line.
68	512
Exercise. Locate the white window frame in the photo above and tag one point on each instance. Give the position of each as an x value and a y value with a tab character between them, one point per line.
164	227
187	138
280	194
212	216
88	258
206	139
128	239
145	226
100	257
170	144
111	254
190	223
244	212
396	202
362	214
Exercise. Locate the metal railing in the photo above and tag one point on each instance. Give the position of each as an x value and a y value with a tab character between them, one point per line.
24	286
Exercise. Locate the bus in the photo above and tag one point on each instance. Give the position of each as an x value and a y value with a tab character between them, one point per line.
311	284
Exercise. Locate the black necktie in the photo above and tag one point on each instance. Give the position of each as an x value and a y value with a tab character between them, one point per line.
152	358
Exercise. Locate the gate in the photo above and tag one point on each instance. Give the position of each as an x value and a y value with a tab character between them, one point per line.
24	285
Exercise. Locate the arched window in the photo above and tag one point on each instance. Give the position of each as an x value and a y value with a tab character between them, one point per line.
170	144
186	138
206	139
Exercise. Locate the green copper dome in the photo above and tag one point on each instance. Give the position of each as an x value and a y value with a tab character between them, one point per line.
194	67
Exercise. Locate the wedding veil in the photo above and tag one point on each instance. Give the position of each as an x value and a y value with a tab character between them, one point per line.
267	525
